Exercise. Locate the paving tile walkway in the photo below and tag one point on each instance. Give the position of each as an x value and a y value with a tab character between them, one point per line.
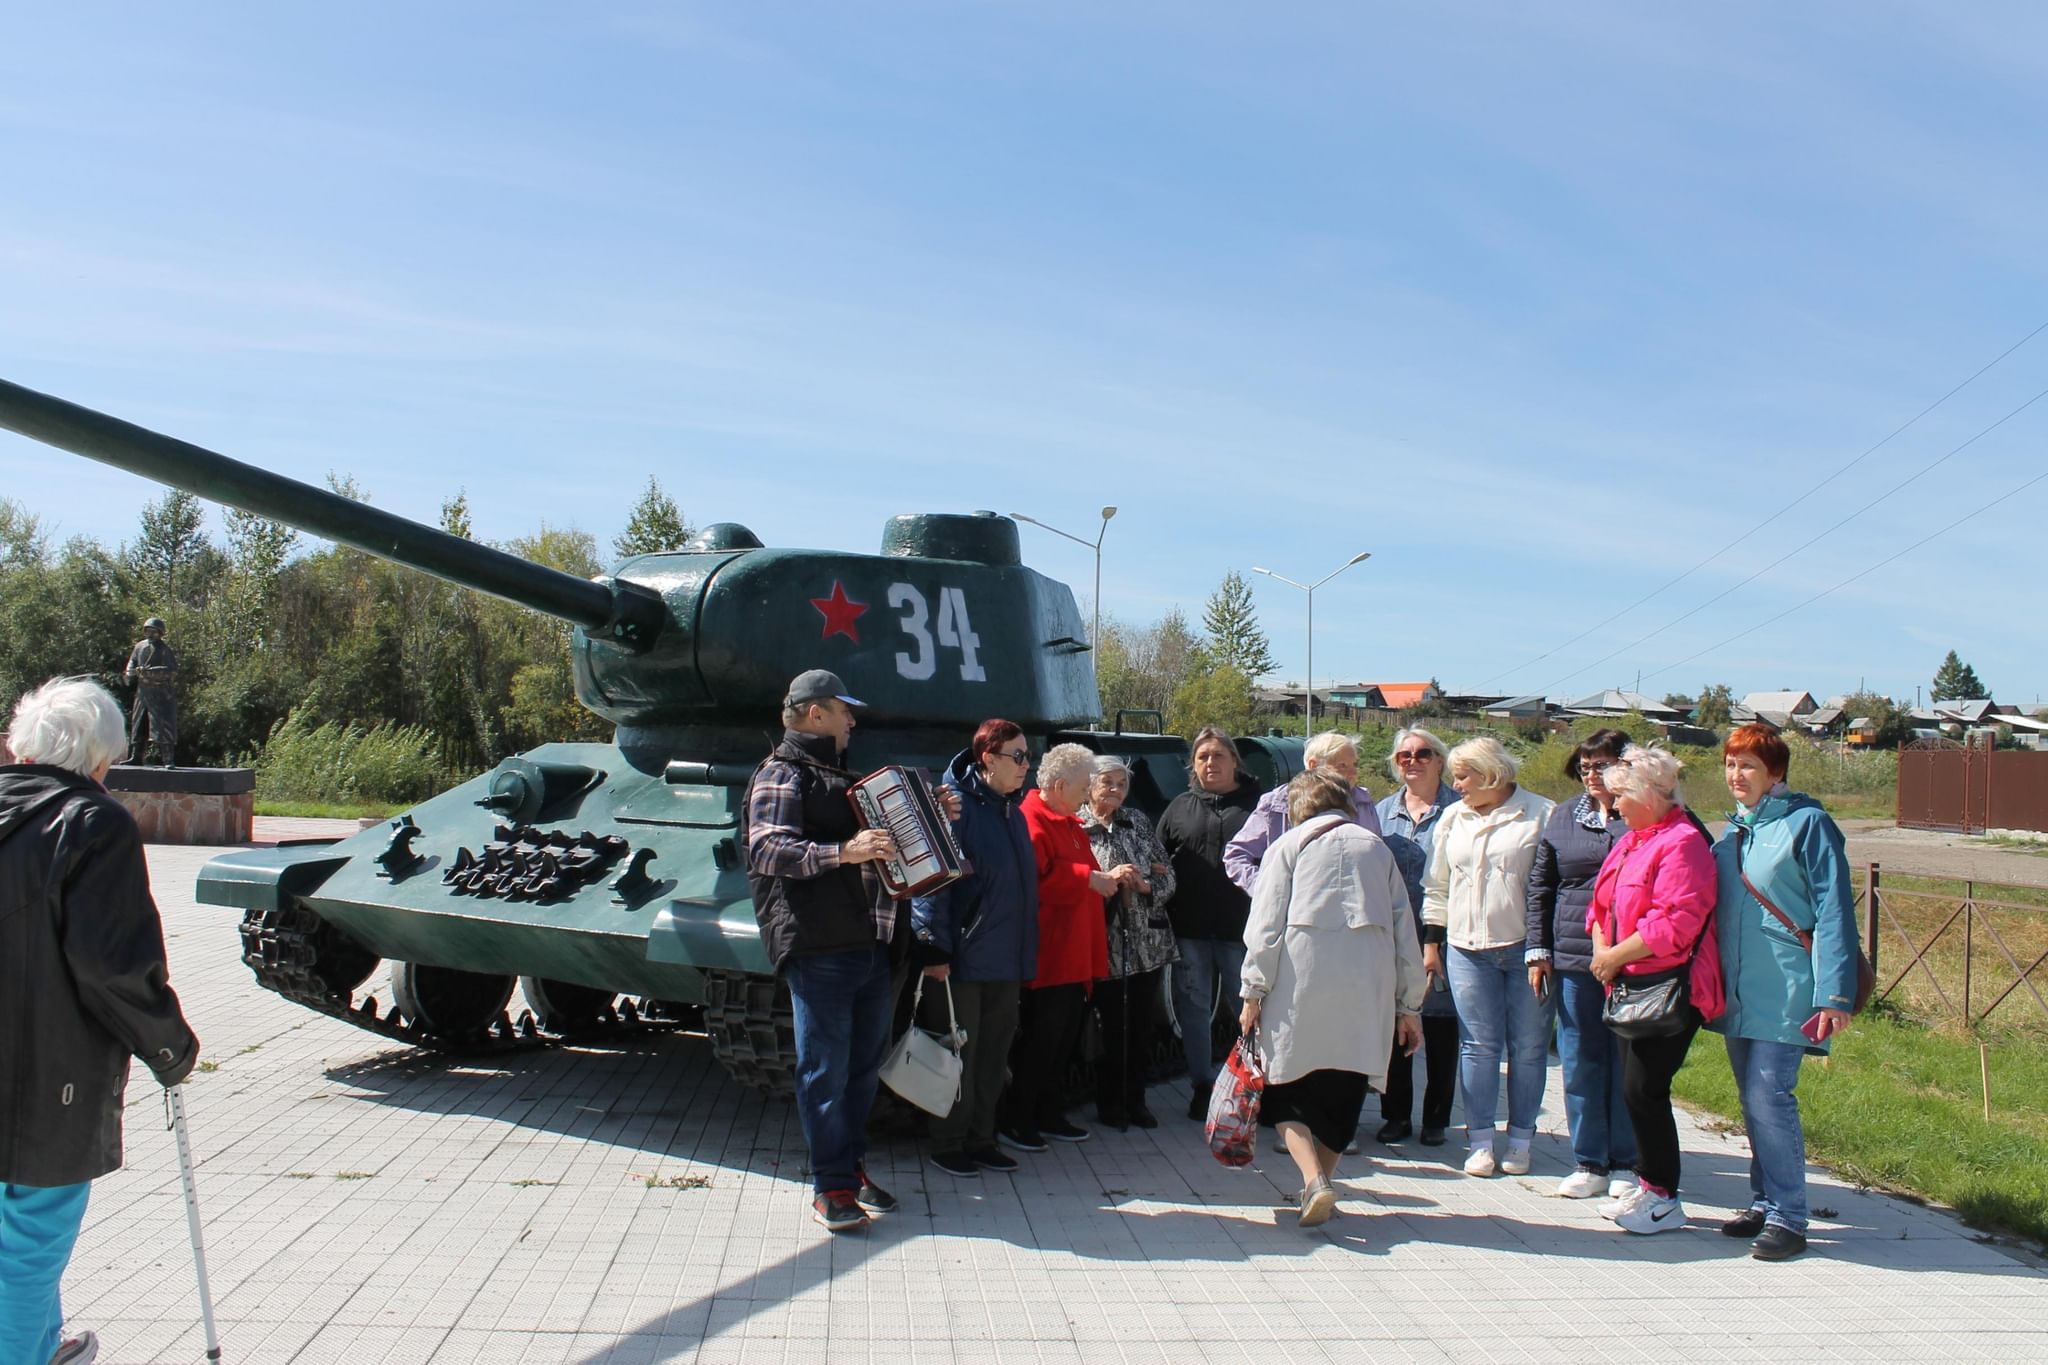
371	1203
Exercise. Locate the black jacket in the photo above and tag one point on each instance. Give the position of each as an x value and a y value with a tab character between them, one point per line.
1575	842
1195	828
836	910
83	982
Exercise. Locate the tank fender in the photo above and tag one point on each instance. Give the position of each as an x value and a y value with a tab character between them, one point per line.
710	934
267	878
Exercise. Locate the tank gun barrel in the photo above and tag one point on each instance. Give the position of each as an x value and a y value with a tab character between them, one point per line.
623	613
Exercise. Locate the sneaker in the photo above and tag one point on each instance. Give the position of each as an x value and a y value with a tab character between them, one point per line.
838	1211
1021	1139
1582	1184
1060	1130
992	1159
1620	1183
1393	1131
1515	1161
1746	1224
1479	1161
85	1348
959	1164
1318	1202
1198	1103
871	1196
1652	1214
1431	1137
1628	1199
1778	1243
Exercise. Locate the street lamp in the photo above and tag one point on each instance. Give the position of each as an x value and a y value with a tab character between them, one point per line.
1308	709
1095	631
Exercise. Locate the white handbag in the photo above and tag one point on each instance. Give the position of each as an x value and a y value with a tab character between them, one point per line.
924	1067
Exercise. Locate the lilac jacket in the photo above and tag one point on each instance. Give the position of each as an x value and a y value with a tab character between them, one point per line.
1267	822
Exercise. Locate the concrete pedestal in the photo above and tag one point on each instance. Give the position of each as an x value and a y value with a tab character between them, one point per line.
188	805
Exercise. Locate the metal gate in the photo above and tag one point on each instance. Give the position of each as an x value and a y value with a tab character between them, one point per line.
1971	788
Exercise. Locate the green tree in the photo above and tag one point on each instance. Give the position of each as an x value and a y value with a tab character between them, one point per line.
171	539
1957	681
656	524
1678	700
1716	706
1140	667
1232	626
1215	693
1894	722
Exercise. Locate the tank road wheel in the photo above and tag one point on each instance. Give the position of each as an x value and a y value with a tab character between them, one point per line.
565	1007
447	1002
297	954
753	1029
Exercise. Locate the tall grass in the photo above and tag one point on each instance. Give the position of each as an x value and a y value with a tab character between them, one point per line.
346	765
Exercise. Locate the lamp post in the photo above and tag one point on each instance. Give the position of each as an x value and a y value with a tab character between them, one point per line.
1095	630
1308	698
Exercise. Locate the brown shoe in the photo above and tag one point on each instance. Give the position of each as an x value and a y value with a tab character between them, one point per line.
1318	1202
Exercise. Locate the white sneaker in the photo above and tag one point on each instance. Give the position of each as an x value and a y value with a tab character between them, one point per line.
1516	1160
1479	1161
1634	1195
1620	1183
1582	1185
1652	1214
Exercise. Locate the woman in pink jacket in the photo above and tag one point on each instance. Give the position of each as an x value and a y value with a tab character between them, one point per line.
1651	918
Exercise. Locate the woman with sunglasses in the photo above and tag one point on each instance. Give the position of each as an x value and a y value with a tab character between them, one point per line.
1408	824
981	933
1575	842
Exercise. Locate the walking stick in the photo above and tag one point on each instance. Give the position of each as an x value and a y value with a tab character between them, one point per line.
175	1097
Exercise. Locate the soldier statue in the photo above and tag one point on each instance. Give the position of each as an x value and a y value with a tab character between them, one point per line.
153	667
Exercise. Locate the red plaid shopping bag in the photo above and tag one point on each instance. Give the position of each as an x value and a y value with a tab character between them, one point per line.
1234	1104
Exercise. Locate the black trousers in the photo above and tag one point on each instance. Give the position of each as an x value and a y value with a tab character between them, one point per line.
1126	1007
1440	1086
1049	1023
1647	1066
988	1011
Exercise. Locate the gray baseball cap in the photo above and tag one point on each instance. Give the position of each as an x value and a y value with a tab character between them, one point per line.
818	685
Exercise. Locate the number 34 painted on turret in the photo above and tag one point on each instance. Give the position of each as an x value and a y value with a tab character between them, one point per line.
921	660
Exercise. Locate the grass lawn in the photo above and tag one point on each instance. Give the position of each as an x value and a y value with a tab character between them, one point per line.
322	810
1899	1106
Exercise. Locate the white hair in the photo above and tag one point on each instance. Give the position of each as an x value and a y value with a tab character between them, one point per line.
1065	763
68	723
1645	768
1487	760
1402	736
1105	764
1328	745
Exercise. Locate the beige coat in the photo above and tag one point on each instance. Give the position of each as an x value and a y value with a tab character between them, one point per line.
1330	950
1477	886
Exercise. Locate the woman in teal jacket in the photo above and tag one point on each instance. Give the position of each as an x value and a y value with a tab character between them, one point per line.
1784	1001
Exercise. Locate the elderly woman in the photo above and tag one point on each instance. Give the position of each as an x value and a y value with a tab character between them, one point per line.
1652	907
1787	999
1208	909
1408	821
85	988
1329	751
1576	840
1475	902
1140	943
981	935
1073	951
1332	978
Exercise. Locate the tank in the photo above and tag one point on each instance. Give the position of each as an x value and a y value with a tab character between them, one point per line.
605	881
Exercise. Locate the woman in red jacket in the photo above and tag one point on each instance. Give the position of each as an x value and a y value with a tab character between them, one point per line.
1073	952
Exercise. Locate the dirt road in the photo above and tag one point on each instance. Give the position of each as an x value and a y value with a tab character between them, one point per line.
1930	853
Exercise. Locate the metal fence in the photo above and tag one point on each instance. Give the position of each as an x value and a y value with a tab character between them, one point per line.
1926	948
1971	788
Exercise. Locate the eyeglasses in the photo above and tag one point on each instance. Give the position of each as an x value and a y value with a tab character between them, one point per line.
1021	756
1596	768
1415	756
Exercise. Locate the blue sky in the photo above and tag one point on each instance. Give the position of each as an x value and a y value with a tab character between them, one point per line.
1540	305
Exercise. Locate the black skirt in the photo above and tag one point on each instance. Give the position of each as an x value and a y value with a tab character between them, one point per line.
1325	1102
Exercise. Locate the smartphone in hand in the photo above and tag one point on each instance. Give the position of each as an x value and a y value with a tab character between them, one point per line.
1812	1027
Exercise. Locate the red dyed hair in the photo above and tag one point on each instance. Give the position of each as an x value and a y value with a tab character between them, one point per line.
1762	743
993	734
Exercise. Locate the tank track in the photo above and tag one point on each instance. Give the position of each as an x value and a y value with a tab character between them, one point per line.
295	953
753	1030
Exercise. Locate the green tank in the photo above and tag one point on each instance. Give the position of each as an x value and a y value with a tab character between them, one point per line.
583	873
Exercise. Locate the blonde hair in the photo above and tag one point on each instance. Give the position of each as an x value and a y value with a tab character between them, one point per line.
1313	792
1487	760
1643	767
1328	745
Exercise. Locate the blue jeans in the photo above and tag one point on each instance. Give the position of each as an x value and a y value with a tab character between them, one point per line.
38	1228
842	1007
1603	1139
1766	1074
1501	1017
1202	960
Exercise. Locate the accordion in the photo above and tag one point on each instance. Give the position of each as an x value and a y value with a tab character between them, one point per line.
900	802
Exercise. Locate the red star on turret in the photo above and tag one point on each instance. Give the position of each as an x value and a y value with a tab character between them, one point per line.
840	613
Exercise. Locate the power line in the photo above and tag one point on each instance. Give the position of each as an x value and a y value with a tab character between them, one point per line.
1914	477
2011	493
1660	590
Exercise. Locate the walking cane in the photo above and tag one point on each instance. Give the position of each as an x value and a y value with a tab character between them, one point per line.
175	1098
